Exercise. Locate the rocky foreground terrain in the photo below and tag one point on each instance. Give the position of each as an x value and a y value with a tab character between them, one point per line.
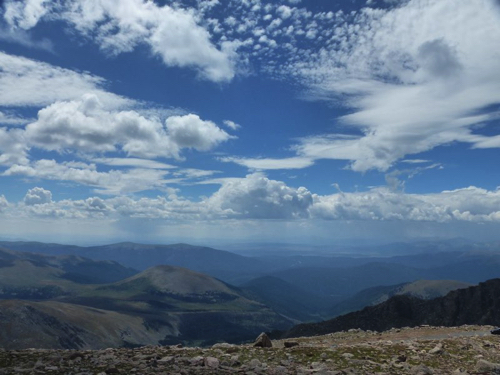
417	351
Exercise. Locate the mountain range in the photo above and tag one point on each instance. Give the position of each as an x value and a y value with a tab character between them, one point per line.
130	294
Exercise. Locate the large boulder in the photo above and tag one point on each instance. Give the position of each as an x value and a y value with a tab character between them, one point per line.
263	341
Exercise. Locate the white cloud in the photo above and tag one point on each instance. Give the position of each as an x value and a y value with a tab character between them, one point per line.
258	197
27	82
231	125
269	163
193	173
25	14
134	175
37	195
172	33
24	38
110	182
192	132
3	203
415	161
205	5
469	204
85	125
181	42
13	148
133	162
12	119
413	85
284	11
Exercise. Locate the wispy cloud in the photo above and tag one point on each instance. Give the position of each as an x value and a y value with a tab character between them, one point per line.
270	163
413	86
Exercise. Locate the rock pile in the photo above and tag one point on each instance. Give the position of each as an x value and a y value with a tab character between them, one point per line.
414	351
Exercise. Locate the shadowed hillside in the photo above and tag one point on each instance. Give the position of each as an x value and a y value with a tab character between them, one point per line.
474	305
424	289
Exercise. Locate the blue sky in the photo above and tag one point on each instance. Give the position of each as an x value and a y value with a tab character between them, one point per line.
220	120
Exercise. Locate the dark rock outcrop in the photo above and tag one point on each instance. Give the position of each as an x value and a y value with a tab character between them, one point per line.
474	305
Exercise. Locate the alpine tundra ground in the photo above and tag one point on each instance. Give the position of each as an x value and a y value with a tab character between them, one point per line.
417	351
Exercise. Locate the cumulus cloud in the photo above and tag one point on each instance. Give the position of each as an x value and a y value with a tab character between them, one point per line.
258	197
284	11
86	126
469	204
192	132
37	195
252	197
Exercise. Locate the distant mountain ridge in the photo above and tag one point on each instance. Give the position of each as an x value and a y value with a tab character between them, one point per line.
221	264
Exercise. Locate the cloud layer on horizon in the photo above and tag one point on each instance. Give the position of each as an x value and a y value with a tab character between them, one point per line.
258	197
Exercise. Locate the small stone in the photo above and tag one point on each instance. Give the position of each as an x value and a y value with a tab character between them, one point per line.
421	370
290	344
211	362
489	367
222	345
235	361
197	361
438	349
317	366
166	359
254	363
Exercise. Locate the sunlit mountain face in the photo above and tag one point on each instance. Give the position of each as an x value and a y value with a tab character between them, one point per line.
214	121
